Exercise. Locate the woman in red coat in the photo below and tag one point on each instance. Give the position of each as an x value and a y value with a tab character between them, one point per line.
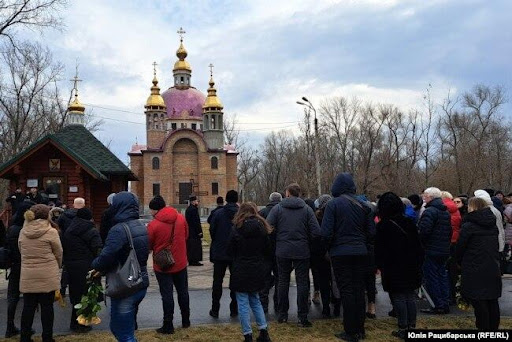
456	222
169	230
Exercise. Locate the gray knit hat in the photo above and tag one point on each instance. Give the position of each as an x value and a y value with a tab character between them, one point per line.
321	201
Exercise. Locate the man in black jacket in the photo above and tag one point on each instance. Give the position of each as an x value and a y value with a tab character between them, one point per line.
15	200
194	246
221	226
271	272
435	234
295	224
220	205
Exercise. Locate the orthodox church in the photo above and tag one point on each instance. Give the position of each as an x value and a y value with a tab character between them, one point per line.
185	152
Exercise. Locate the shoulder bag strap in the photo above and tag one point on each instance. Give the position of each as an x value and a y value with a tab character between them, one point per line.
129	234
399	227
363	224
172	233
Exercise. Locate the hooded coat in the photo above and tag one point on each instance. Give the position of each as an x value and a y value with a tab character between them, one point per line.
435	229
221	226
347	227
41	256
477	253
169	222
497	214
65	219
455	218
248	246
117	247
295	225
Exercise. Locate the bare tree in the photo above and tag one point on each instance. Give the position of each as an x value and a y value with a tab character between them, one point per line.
31	14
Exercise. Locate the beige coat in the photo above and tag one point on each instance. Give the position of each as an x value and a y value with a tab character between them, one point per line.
41	257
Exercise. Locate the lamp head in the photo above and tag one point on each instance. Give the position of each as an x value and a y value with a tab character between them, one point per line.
301	103
305	99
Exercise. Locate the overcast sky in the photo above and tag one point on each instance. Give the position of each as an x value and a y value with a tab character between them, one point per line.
269	53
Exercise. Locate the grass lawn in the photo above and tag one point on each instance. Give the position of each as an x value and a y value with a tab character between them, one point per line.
378	330
206	233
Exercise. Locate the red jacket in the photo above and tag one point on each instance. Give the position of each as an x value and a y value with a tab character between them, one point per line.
159	233
456	219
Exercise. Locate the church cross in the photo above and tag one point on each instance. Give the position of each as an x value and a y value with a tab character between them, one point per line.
211	69
154	68
181	33
75	80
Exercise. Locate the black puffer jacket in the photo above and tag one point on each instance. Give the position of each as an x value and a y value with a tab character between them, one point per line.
398	254
65	220
265	211
477	253
81	243
115	252
295	226
13	234
435	229
220	230
248	246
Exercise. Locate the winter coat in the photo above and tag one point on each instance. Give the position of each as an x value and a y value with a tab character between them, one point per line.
477	253
499	218
294	225
209	219
265	211
65	219
248	246
220	229
507	213
41	256
81	243
117	246
13	234
195	233
411	213
106	223
15	199
398	254
455	218
435	229
347	227
169	222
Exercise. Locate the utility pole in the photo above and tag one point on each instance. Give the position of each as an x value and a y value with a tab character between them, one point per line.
308	104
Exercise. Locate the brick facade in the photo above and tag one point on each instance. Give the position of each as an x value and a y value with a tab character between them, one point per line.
184	157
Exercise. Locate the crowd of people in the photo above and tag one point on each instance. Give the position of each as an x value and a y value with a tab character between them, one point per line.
425	241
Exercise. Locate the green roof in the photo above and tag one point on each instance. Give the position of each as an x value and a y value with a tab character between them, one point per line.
85	148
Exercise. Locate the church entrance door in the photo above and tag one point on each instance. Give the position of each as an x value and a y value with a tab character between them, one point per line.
184	193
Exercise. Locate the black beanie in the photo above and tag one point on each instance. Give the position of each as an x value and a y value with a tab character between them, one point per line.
415	200
232	196
157	203
84	213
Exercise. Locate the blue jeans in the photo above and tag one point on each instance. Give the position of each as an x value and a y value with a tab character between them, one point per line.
435	277
250	300
122	316
166	282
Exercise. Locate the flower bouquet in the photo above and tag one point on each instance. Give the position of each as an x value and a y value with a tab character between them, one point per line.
88	308
462	303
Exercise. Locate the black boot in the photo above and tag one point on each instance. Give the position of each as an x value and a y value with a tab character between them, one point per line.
166	329
185	319
248	338
264	337
11	330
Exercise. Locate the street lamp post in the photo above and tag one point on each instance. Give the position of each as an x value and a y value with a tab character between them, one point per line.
308	104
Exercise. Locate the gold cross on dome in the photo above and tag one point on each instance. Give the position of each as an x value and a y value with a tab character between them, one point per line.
211	69
181	33
154	68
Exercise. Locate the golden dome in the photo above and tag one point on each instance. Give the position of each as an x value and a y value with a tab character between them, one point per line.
181	63
76	106
155	99
212	101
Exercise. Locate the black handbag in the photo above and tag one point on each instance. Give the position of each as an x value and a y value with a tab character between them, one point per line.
127	279
5	258
164	258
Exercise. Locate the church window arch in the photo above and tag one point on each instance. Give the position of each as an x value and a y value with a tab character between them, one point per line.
214	163
156	163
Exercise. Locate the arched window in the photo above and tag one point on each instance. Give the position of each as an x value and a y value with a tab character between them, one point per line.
215	163
156	163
